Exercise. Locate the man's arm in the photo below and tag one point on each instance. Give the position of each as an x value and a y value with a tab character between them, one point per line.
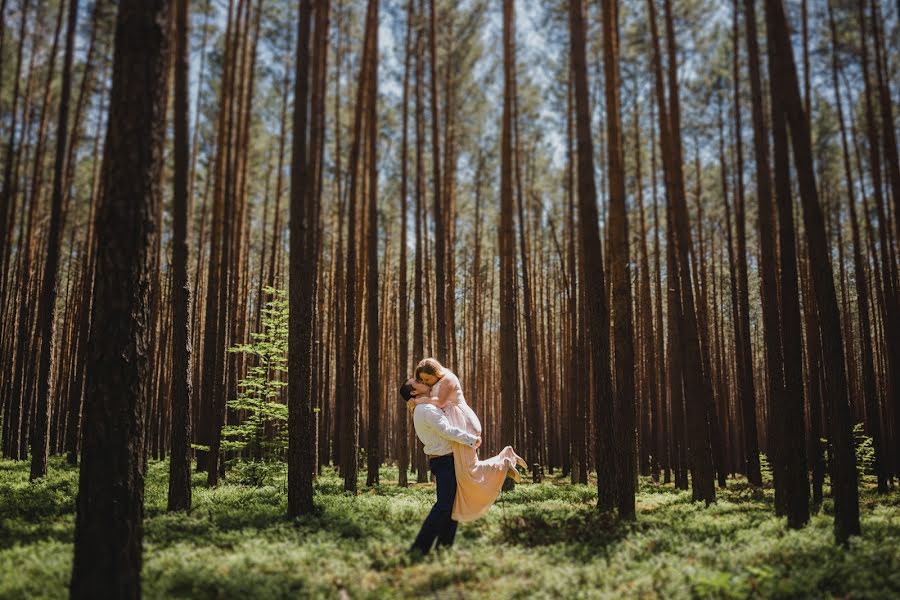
442	426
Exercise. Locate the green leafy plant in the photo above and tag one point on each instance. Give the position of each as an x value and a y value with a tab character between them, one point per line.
865	451
765	467
260	430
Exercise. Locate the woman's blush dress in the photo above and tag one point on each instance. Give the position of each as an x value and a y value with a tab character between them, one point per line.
478	482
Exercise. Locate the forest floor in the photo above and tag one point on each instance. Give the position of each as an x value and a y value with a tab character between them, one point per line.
539	541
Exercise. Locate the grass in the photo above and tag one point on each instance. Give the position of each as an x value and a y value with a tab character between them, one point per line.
540	541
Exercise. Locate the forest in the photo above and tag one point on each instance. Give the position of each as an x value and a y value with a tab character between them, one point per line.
656	241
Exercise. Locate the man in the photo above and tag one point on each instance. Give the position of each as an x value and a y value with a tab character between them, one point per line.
436	433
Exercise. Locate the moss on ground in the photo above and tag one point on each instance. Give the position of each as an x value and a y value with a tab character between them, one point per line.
540	541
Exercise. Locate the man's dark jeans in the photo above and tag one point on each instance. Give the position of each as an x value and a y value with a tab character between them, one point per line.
438	524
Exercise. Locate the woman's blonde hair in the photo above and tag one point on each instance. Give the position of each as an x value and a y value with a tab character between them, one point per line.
431	366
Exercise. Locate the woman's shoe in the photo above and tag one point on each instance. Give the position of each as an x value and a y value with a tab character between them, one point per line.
513	474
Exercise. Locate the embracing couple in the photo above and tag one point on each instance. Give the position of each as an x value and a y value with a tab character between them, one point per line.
451	433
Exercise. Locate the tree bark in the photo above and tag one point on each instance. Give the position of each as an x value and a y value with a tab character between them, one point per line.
744	355
595	285
40	443
109	508
619	259
179	497
301	450
844	478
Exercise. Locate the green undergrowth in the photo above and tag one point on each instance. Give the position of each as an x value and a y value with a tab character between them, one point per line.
539	541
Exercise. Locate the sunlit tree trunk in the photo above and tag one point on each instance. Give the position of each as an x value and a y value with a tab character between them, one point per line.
596	298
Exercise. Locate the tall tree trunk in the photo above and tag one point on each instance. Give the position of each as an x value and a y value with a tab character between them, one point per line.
110	504
595	285
350	392
788	408
889	276
535	421
648	340
373	443
766	225
403	300
744	352
440	219
621	273
509	353
870	395
179	497
301	449
418	277
40	443
844	478
696	384
663	413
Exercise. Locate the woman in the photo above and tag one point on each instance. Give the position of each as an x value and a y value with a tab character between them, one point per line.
478	482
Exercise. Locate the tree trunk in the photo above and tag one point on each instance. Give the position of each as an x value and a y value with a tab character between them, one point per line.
744	352
301	449
788	409
619	259
373	443
509	353
844	478
595	285
108	527
180	460
870	396
40	443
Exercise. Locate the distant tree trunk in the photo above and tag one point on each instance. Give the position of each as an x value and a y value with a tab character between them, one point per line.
440	219
595	285
88	267
213	339
419	275
619	260
732	270
889	143
651	344
301	450
8	191
350	392
40	443
535	421
744	352
889	275
110	504
180	460
509	353
577	407
663	413
696	384
844	478
373	443
869	380
403	300
788	409
766	224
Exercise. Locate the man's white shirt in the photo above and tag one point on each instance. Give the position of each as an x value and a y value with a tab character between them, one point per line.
436	432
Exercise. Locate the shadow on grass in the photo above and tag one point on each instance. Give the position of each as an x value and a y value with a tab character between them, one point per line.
582	533
43	509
